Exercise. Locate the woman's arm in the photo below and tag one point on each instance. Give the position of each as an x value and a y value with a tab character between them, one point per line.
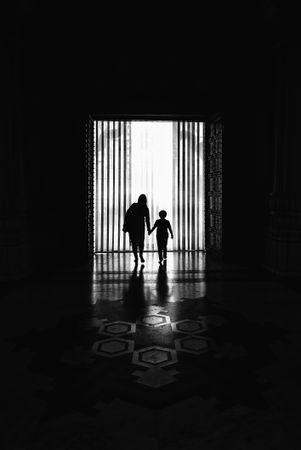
147	220
127	215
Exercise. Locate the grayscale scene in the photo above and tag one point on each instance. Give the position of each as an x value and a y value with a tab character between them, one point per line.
150	225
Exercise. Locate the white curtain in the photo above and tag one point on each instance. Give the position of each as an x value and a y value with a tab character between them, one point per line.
188	186
164	161
112	184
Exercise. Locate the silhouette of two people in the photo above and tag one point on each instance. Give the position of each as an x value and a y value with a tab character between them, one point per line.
136	217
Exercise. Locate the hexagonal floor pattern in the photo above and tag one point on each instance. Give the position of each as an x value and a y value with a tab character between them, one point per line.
166	355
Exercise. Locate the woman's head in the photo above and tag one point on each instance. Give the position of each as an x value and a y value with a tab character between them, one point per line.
142	199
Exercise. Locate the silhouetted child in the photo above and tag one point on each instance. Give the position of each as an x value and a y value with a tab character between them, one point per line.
163	226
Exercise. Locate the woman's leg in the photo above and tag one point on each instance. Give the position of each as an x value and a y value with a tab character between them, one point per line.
135	249
141	248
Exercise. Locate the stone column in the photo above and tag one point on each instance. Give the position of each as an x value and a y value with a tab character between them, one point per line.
283	236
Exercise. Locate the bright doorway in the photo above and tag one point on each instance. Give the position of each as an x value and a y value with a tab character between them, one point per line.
162	159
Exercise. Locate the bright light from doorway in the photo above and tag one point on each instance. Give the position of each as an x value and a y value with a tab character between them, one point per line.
161	159
152	166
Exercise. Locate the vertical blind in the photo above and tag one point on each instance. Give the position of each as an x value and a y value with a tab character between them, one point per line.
112	186
188	186
163	161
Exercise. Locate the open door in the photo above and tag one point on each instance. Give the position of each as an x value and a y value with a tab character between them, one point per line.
213	185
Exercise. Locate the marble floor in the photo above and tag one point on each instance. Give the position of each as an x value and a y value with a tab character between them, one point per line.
190	354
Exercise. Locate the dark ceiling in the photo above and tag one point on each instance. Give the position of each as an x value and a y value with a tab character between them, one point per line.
91	54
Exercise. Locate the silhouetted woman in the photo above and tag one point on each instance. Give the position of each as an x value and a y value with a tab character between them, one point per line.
134	222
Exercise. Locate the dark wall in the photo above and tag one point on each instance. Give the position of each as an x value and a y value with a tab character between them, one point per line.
248	160
73	61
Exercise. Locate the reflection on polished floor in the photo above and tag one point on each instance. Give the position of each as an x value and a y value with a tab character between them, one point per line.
190	354
114	275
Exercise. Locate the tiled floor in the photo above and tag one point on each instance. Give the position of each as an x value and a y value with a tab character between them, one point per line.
182	356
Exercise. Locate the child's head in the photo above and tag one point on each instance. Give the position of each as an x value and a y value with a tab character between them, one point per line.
162	214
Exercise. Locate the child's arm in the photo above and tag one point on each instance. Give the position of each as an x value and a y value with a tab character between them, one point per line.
155	226
170	230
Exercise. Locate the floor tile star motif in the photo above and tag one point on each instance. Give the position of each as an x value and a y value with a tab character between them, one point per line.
154	356
117	328
189	326
155	377
113	347
193	344
154	320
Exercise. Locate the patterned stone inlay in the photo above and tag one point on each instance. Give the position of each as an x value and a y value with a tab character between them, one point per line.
113	347
154	320
192	344
154	356
117	328
190	326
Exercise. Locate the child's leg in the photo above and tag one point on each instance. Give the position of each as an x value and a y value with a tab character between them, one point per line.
164	252
159	249
165	249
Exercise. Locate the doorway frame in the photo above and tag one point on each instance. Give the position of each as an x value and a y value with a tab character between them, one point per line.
206	119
